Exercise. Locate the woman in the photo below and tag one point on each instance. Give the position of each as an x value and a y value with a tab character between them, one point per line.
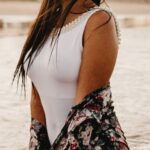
71	106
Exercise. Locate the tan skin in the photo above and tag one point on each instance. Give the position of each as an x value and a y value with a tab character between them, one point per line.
98	59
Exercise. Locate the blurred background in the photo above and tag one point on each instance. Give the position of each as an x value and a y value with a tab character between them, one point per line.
130	80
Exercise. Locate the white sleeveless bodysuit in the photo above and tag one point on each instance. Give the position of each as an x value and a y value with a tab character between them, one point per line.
57	85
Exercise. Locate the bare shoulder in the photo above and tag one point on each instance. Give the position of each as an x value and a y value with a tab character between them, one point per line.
101	20
99	17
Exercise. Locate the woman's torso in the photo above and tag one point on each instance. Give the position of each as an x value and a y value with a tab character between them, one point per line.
56	81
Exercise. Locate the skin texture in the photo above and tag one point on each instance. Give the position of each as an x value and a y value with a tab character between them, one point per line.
98	59
37	111
99	54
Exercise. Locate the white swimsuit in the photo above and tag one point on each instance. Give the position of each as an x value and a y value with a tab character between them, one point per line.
57	86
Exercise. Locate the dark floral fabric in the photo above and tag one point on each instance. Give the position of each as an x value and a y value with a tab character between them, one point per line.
38	136
90	125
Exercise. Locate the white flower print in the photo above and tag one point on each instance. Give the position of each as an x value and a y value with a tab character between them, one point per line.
86	135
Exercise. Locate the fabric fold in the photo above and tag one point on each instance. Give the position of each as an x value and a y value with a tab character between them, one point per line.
92	125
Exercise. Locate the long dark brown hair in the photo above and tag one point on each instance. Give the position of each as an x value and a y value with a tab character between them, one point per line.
45	24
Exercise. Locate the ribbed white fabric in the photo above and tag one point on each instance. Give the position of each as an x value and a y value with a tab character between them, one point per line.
57	86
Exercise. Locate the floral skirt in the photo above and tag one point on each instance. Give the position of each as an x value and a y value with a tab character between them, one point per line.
90	125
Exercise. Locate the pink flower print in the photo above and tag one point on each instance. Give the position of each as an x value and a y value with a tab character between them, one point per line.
80	117
33	140
73	142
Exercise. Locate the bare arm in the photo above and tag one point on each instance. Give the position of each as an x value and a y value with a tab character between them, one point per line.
37	111
38	131
99	54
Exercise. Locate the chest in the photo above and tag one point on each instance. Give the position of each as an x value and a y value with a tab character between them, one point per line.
64	63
